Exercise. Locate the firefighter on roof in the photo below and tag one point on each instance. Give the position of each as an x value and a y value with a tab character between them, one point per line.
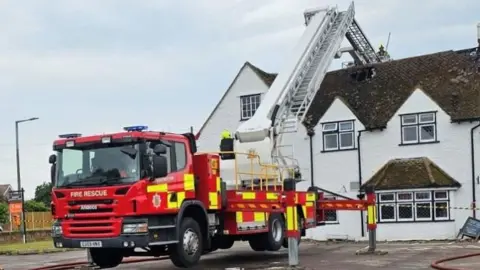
382	52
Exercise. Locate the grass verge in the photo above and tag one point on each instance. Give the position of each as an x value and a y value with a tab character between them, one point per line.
37	247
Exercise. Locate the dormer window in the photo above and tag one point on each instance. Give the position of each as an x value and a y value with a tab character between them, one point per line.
338	135
248	105
419	128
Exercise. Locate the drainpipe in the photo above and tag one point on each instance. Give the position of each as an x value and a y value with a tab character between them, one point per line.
359	155
310	136
472	152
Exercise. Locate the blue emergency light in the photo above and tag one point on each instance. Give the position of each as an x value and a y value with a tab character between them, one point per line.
135	128
69	136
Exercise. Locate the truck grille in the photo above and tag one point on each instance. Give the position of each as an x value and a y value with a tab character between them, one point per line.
91	218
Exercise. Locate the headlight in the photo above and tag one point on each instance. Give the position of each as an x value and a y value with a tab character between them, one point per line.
57	230
135	228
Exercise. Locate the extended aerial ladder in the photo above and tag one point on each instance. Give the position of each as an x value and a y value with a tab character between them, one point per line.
286	103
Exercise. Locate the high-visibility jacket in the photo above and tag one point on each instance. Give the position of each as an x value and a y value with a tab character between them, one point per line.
226	134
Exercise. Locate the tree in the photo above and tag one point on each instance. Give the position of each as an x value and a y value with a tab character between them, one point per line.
3	213
43	193
35	206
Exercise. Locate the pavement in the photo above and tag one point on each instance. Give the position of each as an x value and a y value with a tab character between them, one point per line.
313	255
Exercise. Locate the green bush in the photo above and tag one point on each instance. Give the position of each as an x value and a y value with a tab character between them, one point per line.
4	213
34	206
43	193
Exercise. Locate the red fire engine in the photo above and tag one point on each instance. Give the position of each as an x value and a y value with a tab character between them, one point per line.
121	192
117	192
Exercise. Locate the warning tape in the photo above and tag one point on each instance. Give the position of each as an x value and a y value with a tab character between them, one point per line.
412	205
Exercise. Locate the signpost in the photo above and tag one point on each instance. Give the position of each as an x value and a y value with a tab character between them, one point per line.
471	228
16	206
293	231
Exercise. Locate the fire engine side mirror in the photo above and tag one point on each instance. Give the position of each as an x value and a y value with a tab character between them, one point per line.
160	166
53	168
52	159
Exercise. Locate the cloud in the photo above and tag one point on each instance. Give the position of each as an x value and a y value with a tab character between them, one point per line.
89	67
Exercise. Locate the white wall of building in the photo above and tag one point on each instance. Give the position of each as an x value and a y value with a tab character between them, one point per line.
334	171
227	114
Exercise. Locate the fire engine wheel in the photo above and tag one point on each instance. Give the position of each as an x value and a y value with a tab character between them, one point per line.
187	252
276	232
257	244
106	257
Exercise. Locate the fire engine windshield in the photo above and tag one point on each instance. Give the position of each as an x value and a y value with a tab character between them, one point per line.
98	166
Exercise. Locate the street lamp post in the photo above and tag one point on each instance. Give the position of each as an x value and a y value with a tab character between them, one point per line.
19	181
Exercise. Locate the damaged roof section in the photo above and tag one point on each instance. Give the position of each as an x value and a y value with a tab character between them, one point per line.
410	173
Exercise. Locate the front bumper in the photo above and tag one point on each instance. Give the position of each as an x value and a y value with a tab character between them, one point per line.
122	241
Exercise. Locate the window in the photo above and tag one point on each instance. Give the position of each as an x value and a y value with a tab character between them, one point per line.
413	206
177	151
404	206
419	128
338	136
79	166
387	207
249	105
180	155
331	215
442	205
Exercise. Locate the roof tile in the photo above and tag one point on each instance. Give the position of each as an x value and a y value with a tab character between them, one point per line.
449	78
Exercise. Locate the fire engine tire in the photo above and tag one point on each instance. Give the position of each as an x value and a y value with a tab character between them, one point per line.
257	244
226	243
276	232
189	249
106	257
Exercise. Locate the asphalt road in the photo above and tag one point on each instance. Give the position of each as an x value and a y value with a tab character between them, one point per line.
331	256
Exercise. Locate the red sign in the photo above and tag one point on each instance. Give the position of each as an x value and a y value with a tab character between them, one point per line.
15	207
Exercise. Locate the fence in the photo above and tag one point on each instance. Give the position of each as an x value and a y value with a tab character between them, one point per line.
33	221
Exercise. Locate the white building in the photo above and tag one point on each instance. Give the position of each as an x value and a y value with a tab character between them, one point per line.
404	126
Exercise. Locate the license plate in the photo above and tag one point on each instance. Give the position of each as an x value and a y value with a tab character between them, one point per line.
90	244
88	207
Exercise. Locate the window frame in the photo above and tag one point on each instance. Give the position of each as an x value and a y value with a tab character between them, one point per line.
177	152
334	128
417	200
418	124
448	210
251	102
405	202
436	201
386	203
172	155
419	203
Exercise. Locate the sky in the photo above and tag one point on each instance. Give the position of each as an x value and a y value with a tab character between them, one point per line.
96	66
